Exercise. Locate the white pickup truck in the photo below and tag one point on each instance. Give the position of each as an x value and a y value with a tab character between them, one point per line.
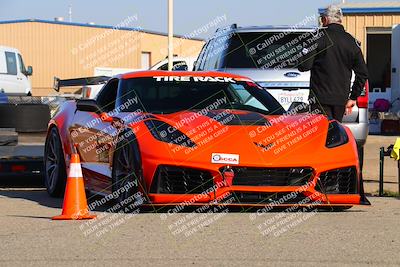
23	118
92	85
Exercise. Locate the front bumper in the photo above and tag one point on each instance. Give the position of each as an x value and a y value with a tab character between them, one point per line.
177	184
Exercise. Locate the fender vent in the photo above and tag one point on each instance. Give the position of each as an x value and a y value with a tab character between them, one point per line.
338	181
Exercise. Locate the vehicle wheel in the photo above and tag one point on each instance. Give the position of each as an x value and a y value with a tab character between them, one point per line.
54	165
360	150
127	175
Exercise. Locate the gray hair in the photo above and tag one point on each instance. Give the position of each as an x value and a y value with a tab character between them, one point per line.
333	13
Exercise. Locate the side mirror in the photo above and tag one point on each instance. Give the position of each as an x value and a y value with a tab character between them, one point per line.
299	107
107	118
29	71
88	105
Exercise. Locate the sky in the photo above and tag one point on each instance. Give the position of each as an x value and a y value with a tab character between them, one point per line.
190	17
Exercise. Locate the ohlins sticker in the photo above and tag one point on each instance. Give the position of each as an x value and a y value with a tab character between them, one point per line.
194	79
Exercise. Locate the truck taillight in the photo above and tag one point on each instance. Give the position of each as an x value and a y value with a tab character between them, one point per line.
18	168
362	100
86	92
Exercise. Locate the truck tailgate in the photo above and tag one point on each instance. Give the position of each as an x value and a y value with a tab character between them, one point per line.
24	158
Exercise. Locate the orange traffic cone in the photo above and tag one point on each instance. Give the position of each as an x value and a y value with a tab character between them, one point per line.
75	204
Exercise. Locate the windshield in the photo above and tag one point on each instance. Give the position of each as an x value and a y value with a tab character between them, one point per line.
169	94
21	64
267	50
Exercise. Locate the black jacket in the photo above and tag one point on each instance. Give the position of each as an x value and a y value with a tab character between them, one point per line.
331	60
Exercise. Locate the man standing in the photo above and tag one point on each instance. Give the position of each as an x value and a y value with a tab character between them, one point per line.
335	55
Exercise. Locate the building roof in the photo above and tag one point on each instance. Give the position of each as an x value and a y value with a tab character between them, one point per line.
370	7
95	26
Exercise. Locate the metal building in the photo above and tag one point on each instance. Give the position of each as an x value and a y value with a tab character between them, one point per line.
67	50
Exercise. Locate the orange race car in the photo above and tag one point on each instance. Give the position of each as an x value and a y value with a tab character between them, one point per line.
196	137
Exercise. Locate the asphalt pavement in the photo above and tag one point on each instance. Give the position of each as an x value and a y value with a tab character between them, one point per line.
361	236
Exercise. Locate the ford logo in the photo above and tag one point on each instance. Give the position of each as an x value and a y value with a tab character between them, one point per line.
292	74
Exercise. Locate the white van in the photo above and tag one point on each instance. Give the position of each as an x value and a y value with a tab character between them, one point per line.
13	74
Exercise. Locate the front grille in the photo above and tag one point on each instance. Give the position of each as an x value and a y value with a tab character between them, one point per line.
338	181
270	198
251	176
180	180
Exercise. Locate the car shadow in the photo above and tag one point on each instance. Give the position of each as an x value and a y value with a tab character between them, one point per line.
38	195
109	207
28	188
32	189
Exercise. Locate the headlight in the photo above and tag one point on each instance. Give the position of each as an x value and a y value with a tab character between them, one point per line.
337	135
168	134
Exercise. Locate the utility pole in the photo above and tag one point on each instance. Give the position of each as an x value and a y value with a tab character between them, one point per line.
70	13
170	33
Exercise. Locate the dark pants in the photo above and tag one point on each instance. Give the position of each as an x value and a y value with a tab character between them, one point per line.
331	111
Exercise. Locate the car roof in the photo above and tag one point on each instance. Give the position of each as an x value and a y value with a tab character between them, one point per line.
151	73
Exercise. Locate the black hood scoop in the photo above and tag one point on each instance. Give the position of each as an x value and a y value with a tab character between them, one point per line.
231	117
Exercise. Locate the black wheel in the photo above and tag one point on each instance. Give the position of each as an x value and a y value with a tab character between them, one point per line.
360	150
127	175
54	165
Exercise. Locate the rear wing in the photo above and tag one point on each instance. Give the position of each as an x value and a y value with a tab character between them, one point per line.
58	83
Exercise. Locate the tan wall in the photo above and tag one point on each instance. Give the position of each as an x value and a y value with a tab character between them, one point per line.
357	25
68	51
157	45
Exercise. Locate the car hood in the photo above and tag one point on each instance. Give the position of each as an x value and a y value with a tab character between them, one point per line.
256	138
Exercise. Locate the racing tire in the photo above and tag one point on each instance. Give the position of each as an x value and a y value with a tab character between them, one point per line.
126	175
55	174
32	117
8	118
